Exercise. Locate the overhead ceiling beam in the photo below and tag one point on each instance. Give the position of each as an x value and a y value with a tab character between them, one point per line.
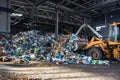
43	8
21	12
30	2
66	22
18	5
20	2
40	7
34	9
44	17
79	5
51	4
46	8
40	2
104	3
76	4
87	2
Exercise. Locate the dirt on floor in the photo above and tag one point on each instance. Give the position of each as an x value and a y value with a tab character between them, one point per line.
49	71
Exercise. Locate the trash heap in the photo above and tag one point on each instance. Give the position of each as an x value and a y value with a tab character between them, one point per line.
63	52
26	45
33	45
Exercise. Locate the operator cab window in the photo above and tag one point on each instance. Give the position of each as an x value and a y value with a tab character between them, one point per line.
115	33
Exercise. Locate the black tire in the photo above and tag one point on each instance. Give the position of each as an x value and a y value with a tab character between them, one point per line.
95	53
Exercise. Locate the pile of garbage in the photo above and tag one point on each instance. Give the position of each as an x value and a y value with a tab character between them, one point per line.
63	52
26	45
33	45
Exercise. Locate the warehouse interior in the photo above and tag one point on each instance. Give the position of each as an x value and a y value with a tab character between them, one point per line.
42	14
55	29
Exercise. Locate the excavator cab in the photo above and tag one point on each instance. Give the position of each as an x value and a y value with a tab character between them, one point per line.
114	40
114	32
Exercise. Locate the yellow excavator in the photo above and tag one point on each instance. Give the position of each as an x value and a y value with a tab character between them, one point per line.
98	48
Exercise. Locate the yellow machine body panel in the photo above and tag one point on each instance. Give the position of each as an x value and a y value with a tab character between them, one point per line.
111	47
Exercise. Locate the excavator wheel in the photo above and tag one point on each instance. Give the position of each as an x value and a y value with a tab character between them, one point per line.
95	53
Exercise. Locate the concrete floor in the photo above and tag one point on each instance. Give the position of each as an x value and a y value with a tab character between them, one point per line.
64	72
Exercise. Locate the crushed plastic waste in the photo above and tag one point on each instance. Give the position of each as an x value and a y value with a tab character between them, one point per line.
33	45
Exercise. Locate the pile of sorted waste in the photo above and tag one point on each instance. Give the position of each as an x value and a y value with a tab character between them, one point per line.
33	45
26	45
64	52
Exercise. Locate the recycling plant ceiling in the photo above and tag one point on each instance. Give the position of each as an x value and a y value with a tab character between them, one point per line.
72	12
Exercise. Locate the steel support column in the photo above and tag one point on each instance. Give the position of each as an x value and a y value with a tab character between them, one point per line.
57	23
5	16
105	18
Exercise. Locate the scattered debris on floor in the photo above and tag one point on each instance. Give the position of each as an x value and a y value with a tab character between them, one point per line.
17	78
